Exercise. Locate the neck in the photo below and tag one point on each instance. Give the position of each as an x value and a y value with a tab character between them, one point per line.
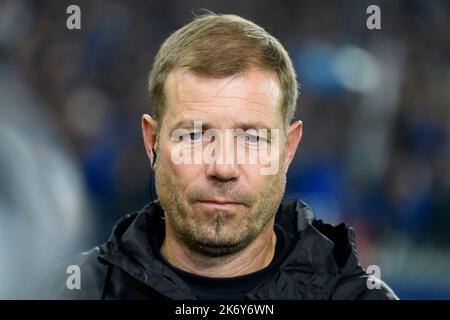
256	256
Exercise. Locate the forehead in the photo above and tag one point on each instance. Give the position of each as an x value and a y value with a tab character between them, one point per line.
254	96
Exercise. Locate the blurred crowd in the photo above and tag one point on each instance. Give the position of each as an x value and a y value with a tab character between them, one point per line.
375	106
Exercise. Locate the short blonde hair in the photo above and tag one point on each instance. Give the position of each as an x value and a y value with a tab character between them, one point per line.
220	46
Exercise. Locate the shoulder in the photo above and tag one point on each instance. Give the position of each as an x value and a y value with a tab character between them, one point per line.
361	286
82	277
354	282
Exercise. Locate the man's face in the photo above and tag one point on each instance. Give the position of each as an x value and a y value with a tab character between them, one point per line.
215	207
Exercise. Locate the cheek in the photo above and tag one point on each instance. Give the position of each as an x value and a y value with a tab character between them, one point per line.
256	182
259	178
181	175
187	173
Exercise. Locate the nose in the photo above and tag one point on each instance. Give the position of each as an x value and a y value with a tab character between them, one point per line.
222	166
222	172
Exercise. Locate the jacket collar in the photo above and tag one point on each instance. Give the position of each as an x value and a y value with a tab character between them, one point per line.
321	254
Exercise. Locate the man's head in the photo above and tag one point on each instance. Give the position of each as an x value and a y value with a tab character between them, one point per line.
226	73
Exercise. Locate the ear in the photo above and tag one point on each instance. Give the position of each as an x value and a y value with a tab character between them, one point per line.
149	130
294	135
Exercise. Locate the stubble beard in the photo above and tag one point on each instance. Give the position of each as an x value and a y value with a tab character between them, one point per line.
224	233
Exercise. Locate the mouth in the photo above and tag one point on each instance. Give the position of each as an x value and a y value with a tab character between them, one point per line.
220	204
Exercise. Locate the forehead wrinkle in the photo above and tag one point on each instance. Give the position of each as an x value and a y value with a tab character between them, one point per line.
217	105
265	113
188	100
227	83
246	100
201	96
184	81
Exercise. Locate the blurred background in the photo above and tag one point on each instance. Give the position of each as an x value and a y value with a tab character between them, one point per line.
375	106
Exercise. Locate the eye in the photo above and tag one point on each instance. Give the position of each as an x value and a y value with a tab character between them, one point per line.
255	141
252	139
195	136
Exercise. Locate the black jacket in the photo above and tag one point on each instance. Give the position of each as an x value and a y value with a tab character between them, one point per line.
323	264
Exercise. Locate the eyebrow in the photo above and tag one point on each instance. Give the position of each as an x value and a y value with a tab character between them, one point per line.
186	124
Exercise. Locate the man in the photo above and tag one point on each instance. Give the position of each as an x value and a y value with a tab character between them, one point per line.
224	92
